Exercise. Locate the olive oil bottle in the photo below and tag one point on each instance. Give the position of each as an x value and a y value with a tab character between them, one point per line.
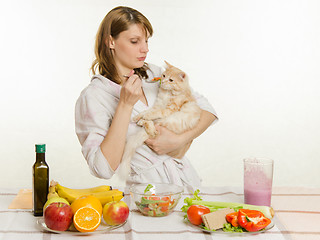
40	183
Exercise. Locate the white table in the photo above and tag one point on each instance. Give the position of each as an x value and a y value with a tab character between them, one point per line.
293	220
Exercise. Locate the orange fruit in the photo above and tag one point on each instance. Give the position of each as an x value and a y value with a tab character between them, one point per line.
86	201
86	219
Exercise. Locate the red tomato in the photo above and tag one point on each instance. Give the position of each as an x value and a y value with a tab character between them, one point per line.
194	213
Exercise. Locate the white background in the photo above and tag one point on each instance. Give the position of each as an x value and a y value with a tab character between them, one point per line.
256	61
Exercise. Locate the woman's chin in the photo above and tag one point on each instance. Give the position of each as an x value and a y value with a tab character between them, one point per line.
139	65
135	65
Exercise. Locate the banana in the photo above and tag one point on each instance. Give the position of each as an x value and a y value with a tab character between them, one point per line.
104	193
101	188
52	190
112	195
52	194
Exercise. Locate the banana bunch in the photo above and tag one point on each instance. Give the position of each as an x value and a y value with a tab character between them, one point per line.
104	193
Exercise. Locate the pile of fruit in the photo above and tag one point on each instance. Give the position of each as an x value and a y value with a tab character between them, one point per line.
84	208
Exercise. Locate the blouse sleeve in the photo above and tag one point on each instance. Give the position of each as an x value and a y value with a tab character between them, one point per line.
204	104
92	121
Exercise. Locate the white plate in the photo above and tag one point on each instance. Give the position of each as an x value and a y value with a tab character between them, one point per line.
103	228
220	231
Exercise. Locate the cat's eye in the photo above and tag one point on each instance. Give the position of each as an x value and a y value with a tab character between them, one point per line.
163	75
170	80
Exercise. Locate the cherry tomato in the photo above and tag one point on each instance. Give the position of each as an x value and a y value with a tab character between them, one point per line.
194	213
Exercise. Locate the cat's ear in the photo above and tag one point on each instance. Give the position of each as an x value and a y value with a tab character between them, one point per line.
182	75
168	64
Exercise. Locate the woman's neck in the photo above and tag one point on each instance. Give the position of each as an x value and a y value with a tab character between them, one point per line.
123	71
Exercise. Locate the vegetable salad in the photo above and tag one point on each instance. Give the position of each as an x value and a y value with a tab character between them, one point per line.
155	206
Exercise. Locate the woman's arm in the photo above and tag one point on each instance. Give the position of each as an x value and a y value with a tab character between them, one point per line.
113	144
101	124
170	143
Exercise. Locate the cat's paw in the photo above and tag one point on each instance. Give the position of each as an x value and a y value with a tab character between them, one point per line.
153	134
150	128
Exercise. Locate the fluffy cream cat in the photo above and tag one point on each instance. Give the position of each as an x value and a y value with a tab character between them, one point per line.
175	108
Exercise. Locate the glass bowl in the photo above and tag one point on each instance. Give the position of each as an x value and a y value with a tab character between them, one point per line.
156	199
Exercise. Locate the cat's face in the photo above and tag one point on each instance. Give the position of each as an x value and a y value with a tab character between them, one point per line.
173	79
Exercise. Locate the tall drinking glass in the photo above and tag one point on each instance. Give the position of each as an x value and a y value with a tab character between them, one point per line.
258	175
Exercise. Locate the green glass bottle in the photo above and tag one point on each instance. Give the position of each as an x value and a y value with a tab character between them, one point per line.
40	186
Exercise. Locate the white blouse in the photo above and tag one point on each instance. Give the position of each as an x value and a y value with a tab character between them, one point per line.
94	111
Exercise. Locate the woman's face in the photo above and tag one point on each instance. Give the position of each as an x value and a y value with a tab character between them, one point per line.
130	49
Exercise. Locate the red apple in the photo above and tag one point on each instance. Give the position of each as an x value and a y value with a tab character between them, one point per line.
115	213
58	216
54	199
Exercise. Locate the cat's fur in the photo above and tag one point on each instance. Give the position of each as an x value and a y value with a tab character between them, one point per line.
175	108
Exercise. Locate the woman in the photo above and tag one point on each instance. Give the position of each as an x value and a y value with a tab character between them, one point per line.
120	91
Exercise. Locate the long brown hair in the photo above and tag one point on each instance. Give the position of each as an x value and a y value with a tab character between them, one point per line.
116	21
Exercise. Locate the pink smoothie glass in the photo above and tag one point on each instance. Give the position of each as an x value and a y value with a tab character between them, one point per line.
258	174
